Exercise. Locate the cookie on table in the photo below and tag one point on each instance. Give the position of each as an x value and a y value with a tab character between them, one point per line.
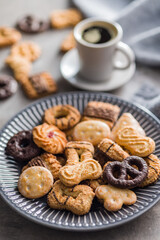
39	85
101	111
77	199
22	147
65	18
68	43
8	36
8	86
35	182
32	24
48	161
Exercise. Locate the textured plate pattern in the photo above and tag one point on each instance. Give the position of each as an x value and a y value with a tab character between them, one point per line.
37	210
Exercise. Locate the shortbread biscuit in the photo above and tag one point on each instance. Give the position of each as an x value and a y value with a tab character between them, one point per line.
65	18
68	43
8	36
49	138
126	120
77	199
108	150
28	50
114	198
39	85
21	67
136	144
35	182
101	111
153	170
48	161
92	131
63	116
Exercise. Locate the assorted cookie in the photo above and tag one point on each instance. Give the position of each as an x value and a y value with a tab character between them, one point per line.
68	43
8	86
91	166
8	36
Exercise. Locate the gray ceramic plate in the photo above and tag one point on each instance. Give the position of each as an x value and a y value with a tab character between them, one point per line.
37	210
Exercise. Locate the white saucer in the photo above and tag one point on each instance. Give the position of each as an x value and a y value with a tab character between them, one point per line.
70	66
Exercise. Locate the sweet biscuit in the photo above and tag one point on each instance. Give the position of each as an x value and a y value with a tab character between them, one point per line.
92	131
39	85
8	36
95	183
105	112
110	150
28	50
68	43
48	161
136	144
35	182
49	138
114	198
126	120
65	18
63	116
153	170
77	199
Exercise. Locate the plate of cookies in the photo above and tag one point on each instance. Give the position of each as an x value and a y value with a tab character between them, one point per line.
81	161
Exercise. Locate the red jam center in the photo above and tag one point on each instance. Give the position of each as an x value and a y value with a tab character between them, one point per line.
50	134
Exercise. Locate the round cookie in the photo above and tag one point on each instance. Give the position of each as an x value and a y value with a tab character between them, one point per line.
8	86
32	24
92	131
35	182
21	147
63	116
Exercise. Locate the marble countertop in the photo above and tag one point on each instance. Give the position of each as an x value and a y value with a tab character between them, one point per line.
14	226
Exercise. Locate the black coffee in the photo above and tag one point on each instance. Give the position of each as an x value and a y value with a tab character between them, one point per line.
96	35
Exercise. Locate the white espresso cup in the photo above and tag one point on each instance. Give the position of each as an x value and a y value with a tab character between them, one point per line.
97	61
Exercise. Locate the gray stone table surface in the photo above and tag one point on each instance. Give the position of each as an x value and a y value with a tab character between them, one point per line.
14	226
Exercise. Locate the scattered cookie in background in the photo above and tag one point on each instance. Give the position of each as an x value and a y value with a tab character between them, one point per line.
32	24
8	86
8	36
39	85
65	18
68	43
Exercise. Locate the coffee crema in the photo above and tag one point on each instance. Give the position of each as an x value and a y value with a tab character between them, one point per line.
96	35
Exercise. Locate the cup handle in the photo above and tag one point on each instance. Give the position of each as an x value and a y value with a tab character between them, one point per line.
123	48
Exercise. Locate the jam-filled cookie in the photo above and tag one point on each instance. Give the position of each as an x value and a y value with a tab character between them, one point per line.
63	116
22	147
101	111
50	138
92	131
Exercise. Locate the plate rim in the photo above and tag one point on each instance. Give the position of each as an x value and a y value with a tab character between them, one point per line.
70	228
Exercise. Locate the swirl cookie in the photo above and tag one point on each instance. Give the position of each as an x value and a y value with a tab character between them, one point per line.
77	199
39	85
114	198
65	18
136	144
21	147
68	43
153	170
35	182
48	161
105	112
126	120
63	116
92	131
108	150
8	36
50	138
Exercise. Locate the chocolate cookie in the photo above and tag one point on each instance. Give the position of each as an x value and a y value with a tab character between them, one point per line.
8	86
21	146
32	24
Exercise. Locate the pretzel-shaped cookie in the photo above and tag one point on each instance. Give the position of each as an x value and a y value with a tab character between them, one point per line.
137	144
77	199
114	198
80	164
116	173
